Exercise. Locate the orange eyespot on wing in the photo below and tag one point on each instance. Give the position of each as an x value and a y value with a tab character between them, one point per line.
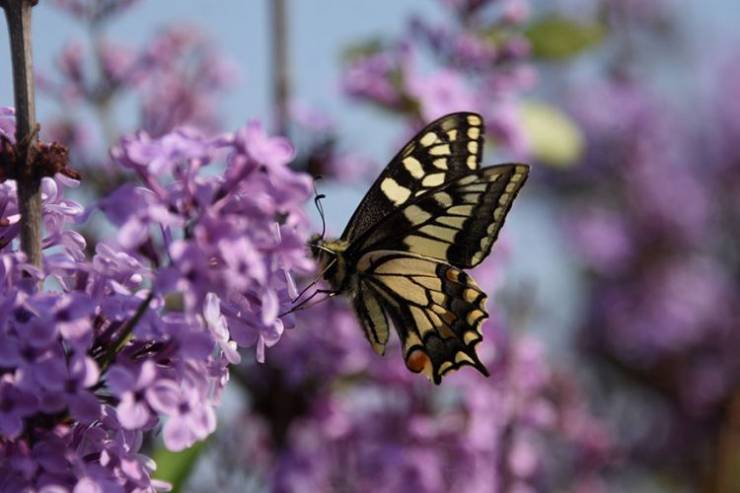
417	361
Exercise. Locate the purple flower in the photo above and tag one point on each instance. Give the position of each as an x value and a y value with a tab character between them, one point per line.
370	77
73	316
181	74
216	323
603	238
476	69
190	419
237	250
440	94
15	404
58	213
7	123
159	156
274	152
367	421
130	385
70	388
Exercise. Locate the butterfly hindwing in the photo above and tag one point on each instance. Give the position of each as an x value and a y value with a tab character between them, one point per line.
456	223
437	310
444	150
373	318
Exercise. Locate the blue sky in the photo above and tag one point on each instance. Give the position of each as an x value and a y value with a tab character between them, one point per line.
318	30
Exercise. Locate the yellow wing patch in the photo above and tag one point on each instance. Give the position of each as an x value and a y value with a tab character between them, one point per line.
396	193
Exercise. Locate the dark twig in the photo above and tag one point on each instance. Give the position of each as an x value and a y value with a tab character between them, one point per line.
18	15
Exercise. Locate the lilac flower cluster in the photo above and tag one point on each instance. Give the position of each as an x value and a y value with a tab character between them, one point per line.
177	78
362	422
662	293
145	329
481	65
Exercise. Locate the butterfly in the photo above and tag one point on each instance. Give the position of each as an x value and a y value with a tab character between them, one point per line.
432	213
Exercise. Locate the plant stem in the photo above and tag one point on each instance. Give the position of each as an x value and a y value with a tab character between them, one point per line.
18	15
725	474
280	63
125	333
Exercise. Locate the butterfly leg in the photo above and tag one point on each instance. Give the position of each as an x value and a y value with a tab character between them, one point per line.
304	304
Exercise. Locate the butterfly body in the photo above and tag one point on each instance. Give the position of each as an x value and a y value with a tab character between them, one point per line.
430	214
331	258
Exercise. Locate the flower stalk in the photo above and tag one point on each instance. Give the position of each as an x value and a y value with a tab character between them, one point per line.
126	333
18	15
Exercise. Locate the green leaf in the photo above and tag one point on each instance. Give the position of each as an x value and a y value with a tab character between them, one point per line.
175	467
554	138
559	37
362	49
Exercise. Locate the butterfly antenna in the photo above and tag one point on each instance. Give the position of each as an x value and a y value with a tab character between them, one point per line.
320	207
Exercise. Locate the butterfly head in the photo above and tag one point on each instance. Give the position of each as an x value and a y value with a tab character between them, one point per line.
329	254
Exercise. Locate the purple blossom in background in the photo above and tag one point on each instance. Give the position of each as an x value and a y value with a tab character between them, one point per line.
94	11
185	77
320	152
603	236
371	77
89	368
377	427
440	93
677	304
477	69
177	79
648	212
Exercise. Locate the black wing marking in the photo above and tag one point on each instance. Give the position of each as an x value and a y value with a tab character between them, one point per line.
437	310
444	150
456	223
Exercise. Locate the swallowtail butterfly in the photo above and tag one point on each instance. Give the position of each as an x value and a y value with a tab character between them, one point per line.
431	213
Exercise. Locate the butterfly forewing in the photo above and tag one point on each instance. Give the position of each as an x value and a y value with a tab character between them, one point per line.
437	309
456	223
444	150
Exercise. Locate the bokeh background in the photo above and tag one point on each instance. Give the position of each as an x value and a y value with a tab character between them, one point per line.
613	340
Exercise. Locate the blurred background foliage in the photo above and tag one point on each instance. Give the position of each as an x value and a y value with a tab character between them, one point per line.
613	340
